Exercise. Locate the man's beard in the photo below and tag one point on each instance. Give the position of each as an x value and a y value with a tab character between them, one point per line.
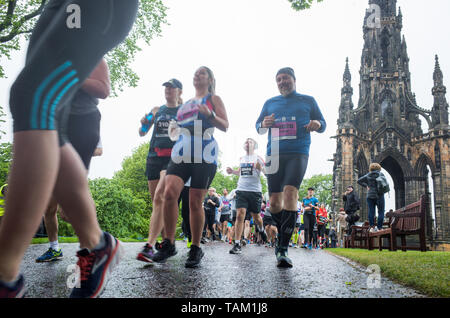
285	91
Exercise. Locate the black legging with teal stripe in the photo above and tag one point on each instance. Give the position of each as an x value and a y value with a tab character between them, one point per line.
60	58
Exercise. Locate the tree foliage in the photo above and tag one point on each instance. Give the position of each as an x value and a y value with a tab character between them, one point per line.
119	211
223	181
302	4
5	161
17	18
132	174
323	188
123	203
2	120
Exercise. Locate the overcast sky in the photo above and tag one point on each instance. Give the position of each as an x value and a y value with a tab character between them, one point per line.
245	42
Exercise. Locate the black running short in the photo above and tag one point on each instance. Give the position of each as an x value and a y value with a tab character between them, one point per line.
291	170
201	174
154	166
251	201
225	218
62	55
268	220
84	134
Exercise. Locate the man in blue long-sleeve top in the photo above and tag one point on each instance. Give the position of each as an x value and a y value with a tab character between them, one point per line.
289	118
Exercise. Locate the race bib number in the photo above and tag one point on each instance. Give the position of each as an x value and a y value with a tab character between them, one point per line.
287	128
246	169
162	128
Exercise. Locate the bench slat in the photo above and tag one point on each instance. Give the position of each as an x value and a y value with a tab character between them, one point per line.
409	220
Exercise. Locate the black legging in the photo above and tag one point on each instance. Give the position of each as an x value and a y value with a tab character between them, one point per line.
210	219
309	220
186	225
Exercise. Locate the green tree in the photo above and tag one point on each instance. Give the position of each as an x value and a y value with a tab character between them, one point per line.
119	211
5	161
17	18
302	4
123	203
2	120
323	188
224	181
132	175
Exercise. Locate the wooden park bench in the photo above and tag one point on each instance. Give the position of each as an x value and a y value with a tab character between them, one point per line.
409	220
360	234
358	238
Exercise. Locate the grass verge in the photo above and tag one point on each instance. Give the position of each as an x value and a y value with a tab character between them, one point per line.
427	272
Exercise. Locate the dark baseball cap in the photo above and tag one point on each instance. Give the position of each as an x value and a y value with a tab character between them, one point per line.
311	188
286	70
174	83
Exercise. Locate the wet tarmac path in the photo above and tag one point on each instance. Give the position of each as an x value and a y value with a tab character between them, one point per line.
252	274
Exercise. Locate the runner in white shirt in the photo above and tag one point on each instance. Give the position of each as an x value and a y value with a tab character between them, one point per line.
248	192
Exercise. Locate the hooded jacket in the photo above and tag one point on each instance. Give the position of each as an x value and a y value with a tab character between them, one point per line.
351	202
369	180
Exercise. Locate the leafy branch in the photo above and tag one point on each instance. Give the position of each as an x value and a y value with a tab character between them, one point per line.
302	4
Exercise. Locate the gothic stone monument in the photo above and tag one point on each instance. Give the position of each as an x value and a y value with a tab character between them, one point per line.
386	128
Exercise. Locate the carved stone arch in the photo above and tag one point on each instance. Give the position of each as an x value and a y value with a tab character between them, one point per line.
387	102
362	165
424	186
385	43
407	169
437	156
421	165
399	169
388	93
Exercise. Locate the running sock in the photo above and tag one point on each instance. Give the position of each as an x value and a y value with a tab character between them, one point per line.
277	217
288	219
101	244
54	245
11	284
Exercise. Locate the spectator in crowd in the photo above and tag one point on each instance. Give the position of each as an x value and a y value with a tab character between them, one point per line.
375	198
210	203
351	205
333	237
225	214
342	225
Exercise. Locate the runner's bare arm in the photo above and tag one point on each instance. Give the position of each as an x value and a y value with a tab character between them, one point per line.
144	121
232	171
98	84
220	120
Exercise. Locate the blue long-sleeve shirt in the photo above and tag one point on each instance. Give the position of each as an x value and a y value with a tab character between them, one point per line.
292	114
